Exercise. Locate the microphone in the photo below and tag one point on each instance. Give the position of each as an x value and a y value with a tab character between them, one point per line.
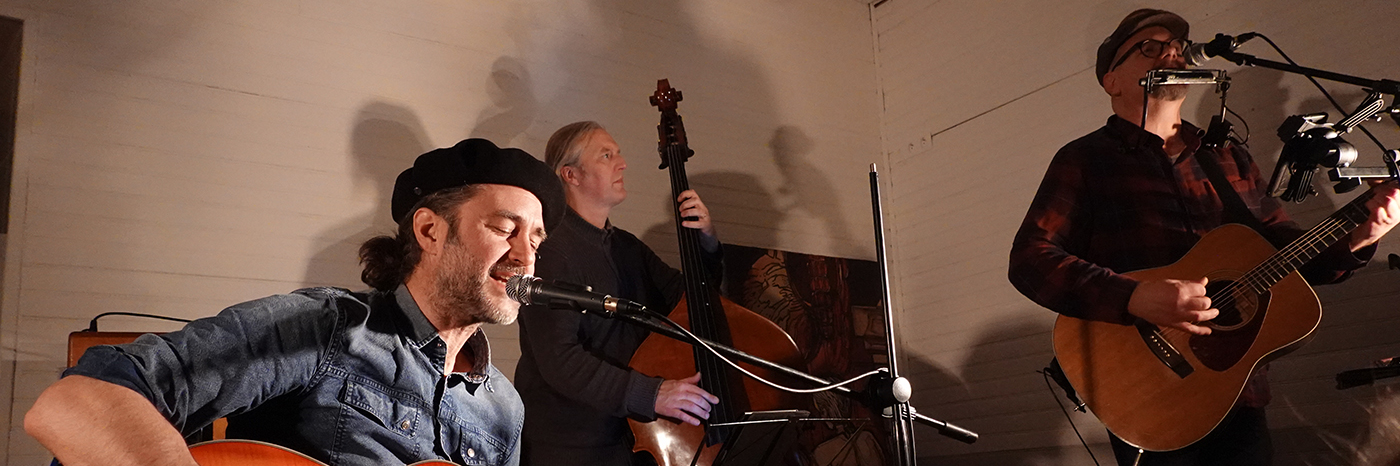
1196	54
528	289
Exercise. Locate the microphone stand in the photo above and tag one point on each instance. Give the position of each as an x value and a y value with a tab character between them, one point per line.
1348	177
901	412
1384	86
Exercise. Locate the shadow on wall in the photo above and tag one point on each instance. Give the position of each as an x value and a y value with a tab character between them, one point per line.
628	45
386	139
999	395
805	187
513	104
933	386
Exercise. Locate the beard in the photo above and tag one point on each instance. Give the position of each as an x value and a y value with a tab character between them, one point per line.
462	288
1171	93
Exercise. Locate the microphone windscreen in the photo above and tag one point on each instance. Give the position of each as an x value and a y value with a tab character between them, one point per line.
518	287
1195	54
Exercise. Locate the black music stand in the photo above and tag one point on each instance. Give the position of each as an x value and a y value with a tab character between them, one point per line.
757	435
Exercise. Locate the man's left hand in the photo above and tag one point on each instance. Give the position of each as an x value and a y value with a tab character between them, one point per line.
1384	210
694	214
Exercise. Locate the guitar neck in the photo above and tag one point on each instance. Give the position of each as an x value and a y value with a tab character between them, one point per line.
1309	245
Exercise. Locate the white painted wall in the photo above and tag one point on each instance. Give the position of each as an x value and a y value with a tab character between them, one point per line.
178	157
977	98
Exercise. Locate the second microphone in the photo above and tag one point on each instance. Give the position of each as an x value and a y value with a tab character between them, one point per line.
529	289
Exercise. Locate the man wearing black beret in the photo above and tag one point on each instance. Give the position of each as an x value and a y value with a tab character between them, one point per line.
394	375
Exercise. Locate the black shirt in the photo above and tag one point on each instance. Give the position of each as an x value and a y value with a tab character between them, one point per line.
573	373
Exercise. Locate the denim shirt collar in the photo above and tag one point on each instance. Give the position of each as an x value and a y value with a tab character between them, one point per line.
422	333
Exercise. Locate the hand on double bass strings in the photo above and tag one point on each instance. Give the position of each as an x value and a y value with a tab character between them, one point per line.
1179	304
694	214
1384	213
682	399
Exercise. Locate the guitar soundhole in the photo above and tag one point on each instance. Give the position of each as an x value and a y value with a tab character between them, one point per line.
1237	304
1234	330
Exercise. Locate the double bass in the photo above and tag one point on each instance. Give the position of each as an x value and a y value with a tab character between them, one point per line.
708	316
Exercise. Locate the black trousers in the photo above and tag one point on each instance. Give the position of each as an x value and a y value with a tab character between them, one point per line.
1242	439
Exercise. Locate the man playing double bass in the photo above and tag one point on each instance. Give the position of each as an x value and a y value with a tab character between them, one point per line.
1131	196
573	373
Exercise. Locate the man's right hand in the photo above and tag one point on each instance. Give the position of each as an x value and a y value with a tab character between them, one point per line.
682	399
1179	304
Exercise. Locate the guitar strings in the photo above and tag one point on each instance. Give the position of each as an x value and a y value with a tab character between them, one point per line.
1281	262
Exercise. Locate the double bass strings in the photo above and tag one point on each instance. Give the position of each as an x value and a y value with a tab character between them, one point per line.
702	316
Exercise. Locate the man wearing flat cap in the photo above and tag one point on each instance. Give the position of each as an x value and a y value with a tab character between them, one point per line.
394	375
1136	194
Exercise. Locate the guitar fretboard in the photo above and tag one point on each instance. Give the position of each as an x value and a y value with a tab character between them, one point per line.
1307	246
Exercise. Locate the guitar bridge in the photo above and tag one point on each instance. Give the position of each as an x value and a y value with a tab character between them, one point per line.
1163	349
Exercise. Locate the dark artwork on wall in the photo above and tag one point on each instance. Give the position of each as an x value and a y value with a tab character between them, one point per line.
831	308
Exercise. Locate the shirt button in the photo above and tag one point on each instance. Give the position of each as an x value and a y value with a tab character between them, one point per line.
405	424
471	453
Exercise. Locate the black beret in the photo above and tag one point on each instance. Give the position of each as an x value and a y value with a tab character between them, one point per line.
1131	24
478	161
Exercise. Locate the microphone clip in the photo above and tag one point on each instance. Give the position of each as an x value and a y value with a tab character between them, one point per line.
565	304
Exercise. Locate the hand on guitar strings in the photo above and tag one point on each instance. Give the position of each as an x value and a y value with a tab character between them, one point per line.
694	214
1384	213
1178	304
682	399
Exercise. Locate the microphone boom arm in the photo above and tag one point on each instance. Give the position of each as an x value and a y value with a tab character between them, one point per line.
1384	86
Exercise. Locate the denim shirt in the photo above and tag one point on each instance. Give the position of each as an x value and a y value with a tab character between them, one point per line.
346	378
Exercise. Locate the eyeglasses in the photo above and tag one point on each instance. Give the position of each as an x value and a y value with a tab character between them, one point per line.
1152	48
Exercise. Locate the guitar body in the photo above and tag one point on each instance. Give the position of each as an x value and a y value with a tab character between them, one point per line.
254	453
1141	398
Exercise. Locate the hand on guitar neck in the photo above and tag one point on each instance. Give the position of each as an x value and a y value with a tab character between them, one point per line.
1179	304
1384	213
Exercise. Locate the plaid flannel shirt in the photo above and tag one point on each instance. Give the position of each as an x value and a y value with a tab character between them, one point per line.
1113	201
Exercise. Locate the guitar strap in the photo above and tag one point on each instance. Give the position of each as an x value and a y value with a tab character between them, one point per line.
1235	209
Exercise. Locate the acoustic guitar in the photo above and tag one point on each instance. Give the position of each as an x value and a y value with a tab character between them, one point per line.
254	453
1162	389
